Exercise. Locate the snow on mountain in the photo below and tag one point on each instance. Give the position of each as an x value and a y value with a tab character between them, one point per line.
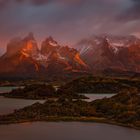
116	43
84	49
53	43
118	52
95	54
41	57
24	58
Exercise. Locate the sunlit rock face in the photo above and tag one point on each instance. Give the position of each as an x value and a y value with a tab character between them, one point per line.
13	47
24	57
19	56
30	48
111	52
49	45
97	55
26	46
62	57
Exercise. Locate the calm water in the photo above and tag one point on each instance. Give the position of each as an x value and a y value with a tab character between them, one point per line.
7	89
97	96
61	130
66	131
8	105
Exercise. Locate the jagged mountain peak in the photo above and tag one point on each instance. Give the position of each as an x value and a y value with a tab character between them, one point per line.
49	45
30	36
13	47
27	47
115	42
110	51
51	42
50	38
18	45
95	54
52	58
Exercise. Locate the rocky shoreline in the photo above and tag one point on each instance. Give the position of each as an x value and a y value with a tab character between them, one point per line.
121	109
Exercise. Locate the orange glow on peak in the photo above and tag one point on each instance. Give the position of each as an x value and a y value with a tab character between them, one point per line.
26	50
29	46
79	60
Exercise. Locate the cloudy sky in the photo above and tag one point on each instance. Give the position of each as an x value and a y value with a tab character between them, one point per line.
67	20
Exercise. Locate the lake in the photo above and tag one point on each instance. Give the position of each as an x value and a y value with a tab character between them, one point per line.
60	130
8	105
97	96
7	89
66	131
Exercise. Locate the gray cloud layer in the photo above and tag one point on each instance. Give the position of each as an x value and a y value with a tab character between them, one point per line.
132	12
68	20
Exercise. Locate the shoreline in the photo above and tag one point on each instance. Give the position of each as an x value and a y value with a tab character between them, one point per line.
44	99
72	119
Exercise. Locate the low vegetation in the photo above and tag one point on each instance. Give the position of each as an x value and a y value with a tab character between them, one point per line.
42	91
90	84
121	109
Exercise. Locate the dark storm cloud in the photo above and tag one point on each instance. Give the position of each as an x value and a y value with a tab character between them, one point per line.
37	2
3	3
132	12
66	20
42	2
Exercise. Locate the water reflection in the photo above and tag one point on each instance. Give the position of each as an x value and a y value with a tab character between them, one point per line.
97	96
8	105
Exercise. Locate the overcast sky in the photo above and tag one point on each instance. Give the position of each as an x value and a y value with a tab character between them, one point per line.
67	20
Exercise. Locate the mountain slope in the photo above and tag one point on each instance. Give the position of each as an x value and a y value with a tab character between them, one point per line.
23	58
111	52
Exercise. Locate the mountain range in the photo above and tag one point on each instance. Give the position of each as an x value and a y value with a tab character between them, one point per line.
108	53
104	54
23	58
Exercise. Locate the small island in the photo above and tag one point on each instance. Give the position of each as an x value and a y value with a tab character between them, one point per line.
122	109
42	91
101	85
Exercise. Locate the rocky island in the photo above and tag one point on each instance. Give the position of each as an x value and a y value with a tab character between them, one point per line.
101	84
42	91
122	109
